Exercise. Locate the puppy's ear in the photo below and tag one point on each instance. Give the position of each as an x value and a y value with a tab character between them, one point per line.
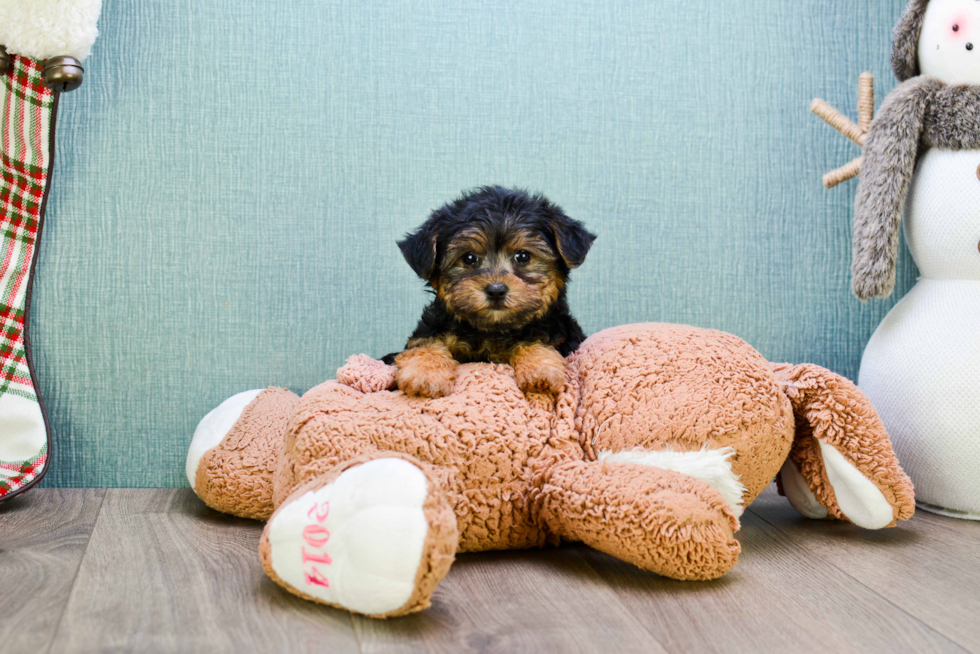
419	250
572	238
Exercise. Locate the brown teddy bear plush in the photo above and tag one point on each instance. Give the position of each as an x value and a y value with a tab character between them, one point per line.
660	438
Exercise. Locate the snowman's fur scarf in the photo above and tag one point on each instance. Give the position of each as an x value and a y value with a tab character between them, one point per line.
49	28
920	113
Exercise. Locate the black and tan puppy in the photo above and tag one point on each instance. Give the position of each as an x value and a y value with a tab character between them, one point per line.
498	262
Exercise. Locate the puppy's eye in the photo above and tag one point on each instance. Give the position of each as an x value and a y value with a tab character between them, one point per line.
522	256
470	259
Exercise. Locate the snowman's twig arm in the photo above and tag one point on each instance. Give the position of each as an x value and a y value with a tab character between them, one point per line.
844	173
890	153
856	132
838	121
866	100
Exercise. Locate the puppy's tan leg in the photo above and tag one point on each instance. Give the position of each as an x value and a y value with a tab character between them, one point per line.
426	369
538	368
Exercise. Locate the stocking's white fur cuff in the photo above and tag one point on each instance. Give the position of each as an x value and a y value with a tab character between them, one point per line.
49	28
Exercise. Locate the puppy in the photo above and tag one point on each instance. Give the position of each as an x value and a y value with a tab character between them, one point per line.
497	261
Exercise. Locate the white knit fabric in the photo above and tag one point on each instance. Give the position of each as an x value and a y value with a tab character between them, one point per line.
942	217
921	368
49	28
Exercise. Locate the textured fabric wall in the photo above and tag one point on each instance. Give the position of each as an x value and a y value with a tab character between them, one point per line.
232	176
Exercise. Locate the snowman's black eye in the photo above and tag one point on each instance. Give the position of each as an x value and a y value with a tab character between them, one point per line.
969	46
956	28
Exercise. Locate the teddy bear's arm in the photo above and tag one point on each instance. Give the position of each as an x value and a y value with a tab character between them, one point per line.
657	519
232	457
842	464
366	374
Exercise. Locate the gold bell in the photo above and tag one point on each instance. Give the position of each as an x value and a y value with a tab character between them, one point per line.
62	74
6	61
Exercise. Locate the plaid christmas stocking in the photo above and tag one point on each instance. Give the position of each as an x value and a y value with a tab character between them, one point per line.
27	109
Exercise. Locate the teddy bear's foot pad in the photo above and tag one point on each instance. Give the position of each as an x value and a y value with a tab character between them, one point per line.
214	427
857	496
357	542
798	493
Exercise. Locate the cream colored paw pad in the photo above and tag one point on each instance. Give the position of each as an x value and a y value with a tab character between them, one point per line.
799	494
857	496
358	541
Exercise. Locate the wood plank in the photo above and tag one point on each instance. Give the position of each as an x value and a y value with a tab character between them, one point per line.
43	535
779	598
520	601
928	566
163	573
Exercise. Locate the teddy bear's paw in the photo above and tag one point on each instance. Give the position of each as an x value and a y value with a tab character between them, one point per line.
426	377
859	499
366	374
213	428
368	541
233	455
856	496
798	493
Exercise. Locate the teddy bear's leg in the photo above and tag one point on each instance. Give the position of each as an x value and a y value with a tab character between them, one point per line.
660	520
842	464
234	451
375	535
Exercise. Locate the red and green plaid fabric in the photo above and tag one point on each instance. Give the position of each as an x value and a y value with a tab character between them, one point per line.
27	110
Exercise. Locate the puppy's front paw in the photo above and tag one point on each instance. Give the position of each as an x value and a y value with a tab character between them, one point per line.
540	369
424	383
425	373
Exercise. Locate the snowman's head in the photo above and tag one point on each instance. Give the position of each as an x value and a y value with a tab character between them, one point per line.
939	38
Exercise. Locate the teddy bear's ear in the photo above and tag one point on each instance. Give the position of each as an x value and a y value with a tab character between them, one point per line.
419	250
905	40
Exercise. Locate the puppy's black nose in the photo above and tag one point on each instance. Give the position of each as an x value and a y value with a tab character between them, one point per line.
496	292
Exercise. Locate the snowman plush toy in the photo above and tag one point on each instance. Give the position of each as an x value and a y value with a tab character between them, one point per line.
921	368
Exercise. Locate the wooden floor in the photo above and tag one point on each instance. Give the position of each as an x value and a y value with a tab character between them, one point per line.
156	571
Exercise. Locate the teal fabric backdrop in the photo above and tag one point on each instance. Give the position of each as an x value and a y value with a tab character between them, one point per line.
231	179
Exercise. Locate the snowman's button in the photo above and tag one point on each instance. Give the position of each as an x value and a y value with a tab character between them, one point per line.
978	171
